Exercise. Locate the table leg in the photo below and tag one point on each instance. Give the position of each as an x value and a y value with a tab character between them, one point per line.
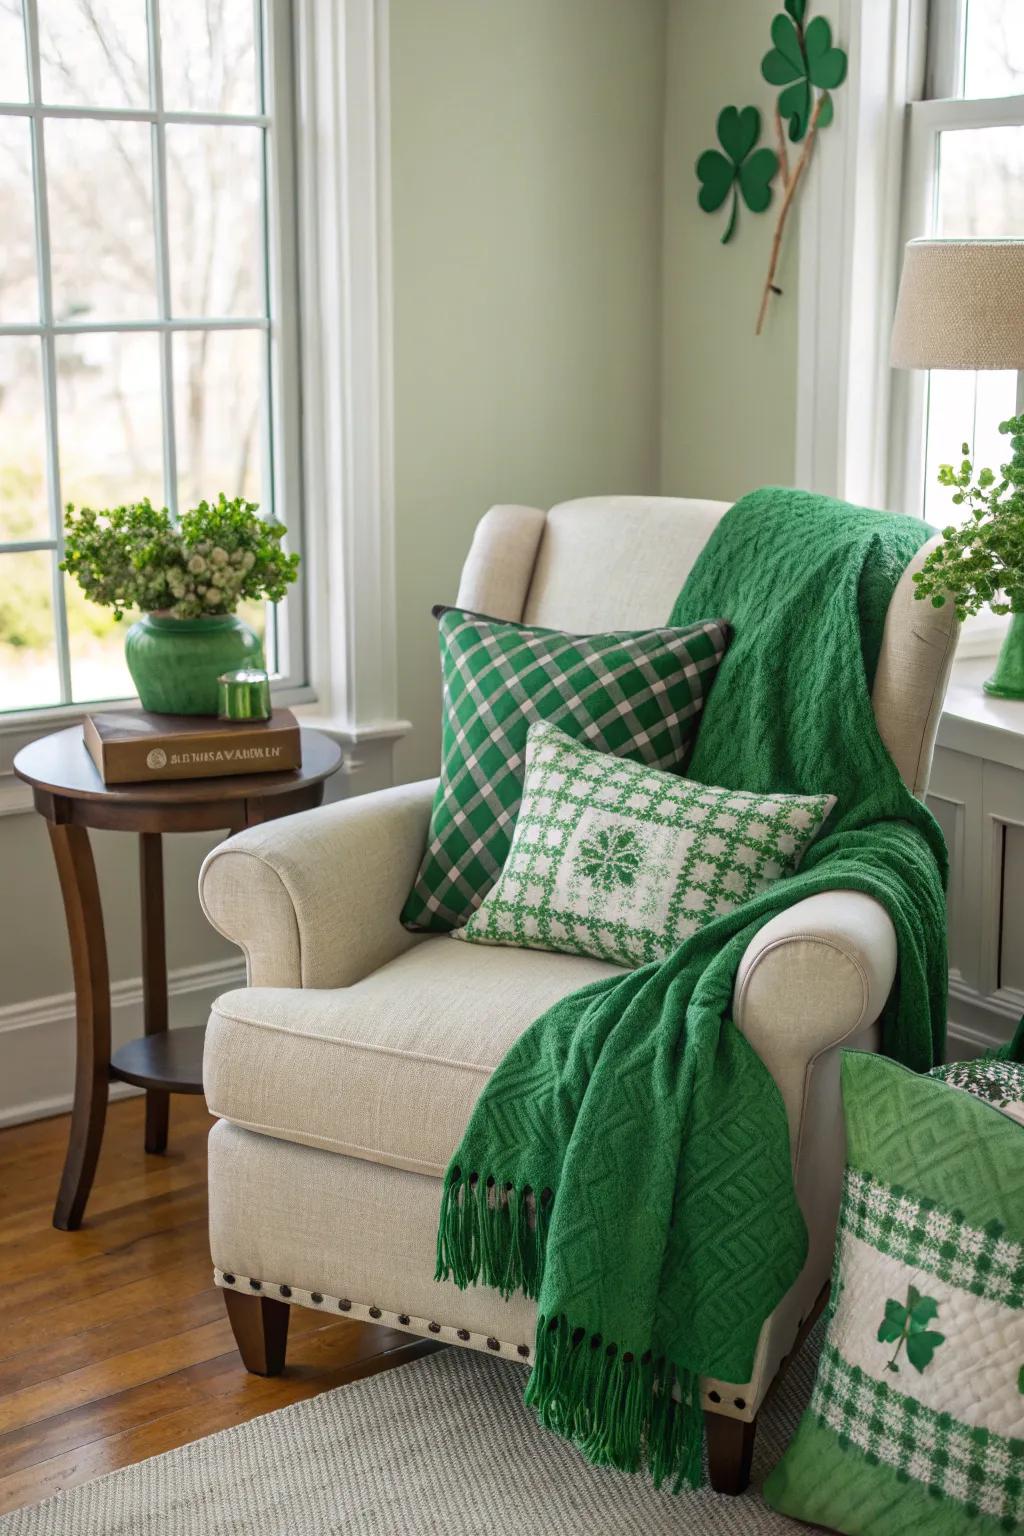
154	976
81	894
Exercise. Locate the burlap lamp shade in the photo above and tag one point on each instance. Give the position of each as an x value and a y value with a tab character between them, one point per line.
961	305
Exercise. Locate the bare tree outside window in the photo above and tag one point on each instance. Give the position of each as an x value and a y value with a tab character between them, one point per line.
134	357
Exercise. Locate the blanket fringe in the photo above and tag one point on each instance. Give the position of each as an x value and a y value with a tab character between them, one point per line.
619	1410
492	1233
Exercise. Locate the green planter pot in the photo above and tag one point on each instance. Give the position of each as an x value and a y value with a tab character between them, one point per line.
175	663
1007	681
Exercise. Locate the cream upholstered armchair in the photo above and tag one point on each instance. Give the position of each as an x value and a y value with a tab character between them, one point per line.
344	1074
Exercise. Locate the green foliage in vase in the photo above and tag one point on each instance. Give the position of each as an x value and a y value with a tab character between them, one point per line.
982	561
217	556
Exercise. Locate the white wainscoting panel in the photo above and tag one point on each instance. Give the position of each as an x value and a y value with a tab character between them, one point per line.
979	804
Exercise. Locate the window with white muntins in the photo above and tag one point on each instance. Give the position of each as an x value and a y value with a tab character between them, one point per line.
147	307
964	179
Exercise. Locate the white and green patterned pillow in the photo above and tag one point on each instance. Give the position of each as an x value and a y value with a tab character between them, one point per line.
613	859
916	1423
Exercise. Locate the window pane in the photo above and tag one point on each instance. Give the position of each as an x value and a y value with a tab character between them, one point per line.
99	182
964	407
13	74
94	53
981	184
19	300
219	392
209	56
214	187
23	508
28	654
96	642
109	415
994	53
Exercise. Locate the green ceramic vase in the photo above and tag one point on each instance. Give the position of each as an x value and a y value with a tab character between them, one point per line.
175	663
1007	681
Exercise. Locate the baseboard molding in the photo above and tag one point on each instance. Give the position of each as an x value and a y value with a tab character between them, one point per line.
39	1059
978	1023
219	975
57	1104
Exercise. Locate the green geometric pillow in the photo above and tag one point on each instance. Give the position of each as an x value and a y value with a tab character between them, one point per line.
635	694
623	862
916	1423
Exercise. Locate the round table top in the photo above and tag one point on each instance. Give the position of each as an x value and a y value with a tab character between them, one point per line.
60	763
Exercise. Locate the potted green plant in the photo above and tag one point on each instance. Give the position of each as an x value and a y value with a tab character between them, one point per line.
983	561
187	578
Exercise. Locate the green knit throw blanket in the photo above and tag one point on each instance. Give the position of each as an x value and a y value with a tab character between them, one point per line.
628	1163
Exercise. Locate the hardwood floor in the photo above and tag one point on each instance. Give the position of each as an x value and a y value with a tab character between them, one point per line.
114	1343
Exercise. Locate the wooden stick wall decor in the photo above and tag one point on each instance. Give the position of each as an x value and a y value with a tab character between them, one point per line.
807	66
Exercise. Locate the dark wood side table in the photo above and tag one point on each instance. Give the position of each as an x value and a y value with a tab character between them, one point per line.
71	796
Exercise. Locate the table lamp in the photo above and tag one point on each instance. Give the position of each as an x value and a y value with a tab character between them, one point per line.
961	305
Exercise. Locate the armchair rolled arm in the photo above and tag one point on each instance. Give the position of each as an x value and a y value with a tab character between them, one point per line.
812	977
313	900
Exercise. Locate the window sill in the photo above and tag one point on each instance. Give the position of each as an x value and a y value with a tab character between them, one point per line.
976	724
316	718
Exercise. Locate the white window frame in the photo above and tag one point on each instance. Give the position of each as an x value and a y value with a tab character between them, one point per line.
939	110
280	325
343	116
870	188
850	252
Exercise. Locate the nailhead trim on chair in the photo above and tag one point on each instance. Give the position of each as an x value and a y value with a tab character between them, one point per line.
372	1313
423	1326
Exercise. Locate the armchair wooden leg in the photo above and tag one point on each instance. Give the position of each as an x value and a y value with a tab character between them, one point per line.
730	1450
260	1327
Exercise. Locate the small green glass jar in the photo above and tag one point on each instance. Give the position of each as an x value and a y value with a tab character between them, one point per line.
244	695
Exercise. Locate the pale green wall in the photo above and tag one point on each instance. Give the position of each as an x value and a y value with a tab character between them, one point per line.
537	352
728	397
34	959
527	206
526	166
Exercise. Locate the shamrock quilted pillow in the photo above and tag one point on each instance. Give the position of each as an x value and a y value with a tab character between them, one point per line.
916	1422
613	859
635	694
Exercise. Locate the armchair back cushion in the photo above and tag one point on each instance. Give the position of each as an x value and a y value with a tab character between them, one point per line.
618	562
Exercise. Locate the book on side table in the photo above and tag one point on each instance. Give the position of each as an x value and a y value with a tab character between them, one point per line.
132	745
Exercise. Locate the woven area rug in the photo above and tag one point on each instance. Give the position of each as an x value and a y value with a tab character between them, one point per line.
444	1444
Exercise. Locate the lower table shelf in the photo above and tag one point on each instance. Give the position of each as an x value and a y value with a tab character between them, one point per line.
172	1060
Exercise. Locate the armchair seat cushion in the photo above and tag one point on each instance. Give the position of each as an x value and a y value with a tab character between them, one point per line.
388	1069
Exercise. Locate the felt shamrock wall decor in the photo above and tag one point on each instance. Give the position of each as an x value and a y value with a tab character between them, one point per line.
807	66
741	169
802	62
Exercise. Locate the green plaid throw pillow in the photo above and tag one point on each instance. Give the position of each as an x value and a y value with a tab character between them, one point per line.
916	1422
637	695
622	862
